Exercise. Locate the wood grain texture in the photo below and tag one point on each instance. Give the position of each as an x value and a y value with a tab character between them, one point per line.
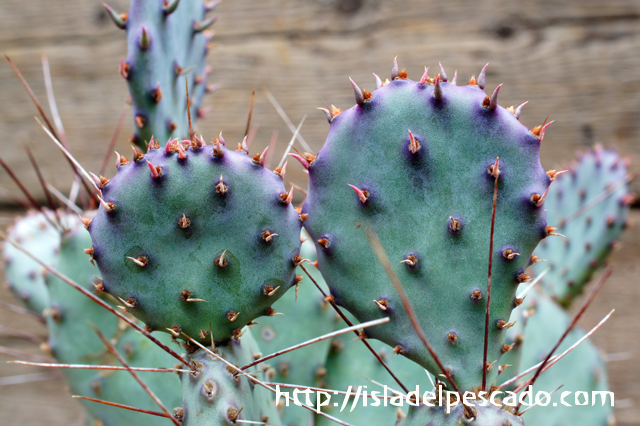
574	61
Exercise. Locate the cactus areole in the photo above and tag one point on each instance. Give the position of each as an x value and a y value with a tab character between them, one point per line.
191	238
413	161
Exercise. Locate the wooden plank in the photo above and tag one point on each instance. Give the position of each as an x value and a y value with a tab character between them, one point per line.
572	60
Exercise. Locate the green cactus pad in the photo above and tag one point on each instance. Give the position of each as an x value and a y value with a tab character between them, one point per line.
189	245
73	341
419	156
217	395
590	236
307	317
437	416
166	45
541	322
23	274
351	364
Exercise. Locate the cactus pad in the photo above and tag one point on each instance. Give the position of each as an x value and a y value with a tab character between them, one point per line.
217	395
592	234
23	274
418	157
167	40
195	240
73	341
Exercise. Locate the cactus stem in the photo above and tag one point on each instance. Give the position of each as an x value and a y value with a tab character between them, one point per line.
495	172
170	6
363	195
126	407
156	171
198	27
437	90
120	19
425	76
221	261
443	75
482	77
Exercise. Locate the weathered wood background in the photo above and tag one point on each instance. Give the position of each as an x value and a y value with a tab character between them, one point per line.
577	61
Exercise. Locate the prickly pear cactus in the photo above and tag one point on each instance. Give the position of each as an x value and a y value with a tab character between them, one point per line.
541	322
352	364
591	232
217	395
306	316
196	240
24	275
414	161
73	341
437	416
168	42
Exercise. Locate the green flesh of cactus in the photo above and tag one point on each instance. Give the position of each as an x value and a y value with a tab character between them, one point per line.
351	364
217	395
165	47
590	236
428	197
486	416
73	341
23	274
304	319
541	323
189	250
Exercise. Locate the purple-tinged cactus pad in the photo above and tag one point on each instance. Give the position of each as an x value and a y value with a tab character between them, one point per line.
590	204
187	242
421	167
